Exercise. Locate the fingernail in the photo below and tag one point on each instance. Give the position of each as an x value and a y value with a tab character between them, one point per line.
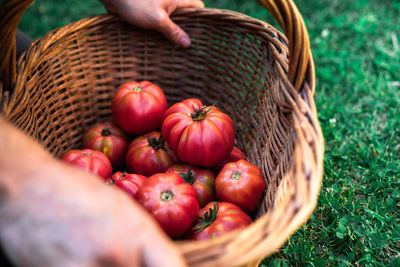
185	42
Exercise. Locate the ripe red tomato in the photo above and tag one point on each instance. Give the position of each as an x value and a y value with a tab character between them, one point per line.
203	181
139	107
240	183
89	160
235	155
128	181
149	154
106	137
171	201
218	218
200	135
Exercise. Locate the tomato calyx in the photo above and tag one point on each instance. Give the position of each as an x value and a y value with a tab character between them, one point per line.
208	219
167	195
200	114
137	88
156	143
122	176
236	175
188	177
105	132
110	182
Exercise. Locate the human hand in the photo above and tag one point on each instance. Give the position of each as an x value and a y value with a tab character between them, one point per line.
153	14
53	214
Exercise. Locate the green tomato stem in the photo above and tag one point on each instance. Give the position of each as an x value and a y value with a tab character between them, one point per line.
236	175
137	89
200	114
156	143
167	195
207	219
105	132
188	177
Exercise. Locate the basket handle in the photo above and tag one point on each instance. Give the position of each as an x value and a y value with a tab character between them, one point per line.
10	14
284	11
292	23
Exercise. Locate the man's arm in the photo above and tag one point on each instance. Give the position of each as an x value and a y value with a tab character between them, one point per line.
18	154
53	214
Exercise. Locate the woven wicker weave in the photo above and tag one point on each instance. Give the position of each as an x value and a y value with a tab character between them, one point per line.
65	81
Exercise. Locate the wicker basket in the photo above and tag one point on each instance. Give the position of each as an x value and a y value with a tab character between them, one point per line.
65	81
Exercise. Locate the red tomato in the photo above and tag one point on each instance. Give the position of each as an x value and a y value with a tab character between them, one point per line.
106	137
235	155
128	181
149	154
203	181
89	160
139	107
200	135
240	183
171	201
218	218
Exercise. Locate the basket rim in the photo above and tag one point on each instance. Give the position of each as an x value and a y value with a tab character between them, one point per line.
41	44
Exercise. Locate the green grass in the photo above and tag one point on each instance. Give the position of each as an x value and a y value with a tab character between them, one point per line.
355	44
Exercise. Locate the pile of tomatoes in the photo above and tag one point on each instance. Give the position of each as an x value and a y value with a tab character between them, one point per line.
179	162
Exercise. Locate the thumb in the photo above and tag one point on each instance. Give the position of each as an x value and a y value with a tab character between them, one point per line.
172	31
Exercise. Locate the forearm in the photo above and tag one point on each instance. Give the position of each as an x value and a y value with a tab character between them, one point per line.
19	158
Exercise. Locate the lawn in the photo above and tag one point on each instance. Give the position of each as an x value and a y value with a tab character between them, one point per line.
355	45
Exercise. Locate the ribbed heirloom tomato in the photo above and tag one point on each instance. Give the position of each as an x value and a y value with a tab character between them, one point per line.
240	183
106	137
200	135
218	218
90	160
128	181
149	154
171	201
203	181
139	107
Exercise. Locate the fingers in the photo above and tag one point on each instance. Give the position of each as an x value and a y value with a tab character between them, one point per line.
150	15
172	31
191	3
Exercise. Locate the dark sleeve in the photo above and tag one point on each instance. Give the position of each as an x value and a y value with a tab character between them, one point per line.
23	42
